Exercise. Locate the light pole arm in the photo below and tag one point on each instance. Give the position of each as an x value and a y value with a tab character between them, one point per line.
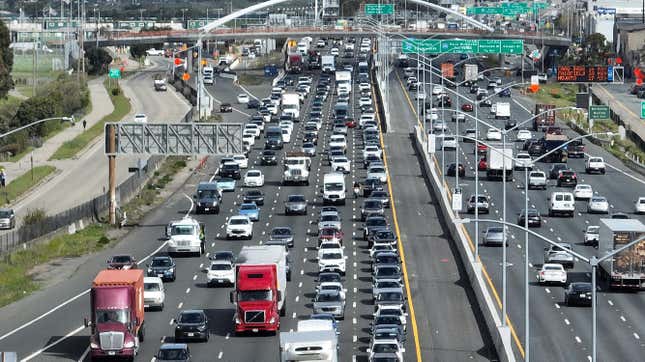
549	241
71	119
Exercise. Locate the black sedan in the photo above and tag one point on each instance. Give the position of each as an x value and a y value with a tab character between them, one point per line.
452	170
256	196
578	293
162	267
253	104
225	108
191	324
269	158
535	220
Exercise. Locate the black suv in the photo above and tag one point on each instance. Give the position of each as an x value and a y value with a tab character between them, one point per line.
268	158
231	170
191	324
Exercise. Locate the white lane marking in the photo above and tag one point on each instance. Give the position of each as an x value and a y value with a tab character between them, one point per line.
578	339
213	243
300	285
557	306
228	335
610	302
566	321
219	356
53	344
547	290
187	290
201	265
297	298
354	321
293	315
354	305
622	318
87	350
171	321
636	336
195	277
354	339
61	305
181	304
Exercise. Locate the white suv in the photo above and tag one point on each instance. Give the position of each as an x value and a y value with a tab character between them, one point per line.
239	226
332	260
220	272
562	203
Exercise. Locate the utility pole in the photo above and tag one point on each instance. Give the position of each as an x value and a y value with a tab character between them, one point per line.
111	148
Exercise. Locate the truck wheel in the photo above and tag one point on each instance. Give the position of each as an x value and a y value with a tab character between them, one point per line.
142	333
283	310
161	306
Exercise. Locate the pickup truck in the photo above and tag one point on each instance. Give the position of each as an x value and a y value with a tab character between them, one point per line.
154	52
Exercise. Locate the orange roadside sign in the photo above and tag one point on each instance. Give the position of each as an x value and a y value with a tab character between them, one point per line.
185	76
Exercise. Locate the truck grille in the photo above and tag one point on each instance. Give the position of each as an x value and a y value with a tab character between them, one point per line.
254	316
111	340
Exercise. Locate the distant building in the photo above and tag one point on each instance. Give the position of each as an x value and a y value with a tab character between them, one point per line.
330	9
629	40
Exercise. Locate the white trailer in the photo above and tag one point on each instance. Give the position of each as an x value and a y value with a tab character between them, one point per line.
328	63
321	345
503	110
499	159
267	255
625	270
291	105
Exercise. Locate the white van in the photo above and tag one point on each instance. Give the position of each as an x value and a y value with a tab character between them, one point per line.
334	188
562	203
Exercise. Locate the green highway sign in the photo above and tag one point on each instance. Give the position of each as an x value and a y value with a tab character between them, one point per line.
460	46
115	73
600	112
379	9
642	109
196	24
507	9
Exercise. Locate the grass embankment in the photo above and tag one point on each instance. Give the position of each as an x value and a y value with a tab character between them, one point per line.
22	70
22	184
71	148
250	79
559	94
15	279
136	208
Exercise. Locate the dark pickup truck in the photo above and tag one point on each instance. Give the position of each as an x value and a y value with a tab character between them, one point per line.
576	149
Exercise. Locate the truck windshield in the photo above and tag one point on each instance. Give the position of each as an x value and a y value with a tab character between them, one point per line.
182	230
113	316
335	186
254	295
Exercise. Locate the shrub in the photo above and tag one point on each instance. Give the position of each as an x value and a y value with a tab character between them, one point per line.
34	217
116	91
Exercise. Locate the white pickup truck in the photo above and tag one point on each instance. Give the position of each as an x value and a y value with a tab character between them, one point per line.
154	52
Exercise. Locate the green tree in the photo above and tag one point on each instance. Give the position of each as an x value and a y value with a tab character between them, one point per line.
139	50
594	50
98	61
6	61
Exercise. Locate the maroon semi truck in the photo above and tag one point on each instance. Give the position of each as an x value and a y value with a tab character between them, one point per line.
117	317
545	120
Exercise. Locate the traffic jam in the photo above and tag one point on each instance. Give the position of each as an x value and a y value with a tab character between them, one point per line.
295	236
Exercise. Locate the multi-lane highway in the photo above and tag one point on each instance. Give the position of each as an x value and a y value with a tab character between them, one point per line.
558	332
52	321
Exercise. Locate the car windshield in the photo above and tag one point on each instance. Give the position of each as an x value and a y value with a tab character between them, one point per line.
330	287
335	186
182	230
151	287
331	256
113	316
281	232
495	230
248	207
329	218
387	271
254	295
385	348
172	354
376	222
373	204
254	174
253	193
385	235
191	318
5	214
207	194
161	262
296	199
598	199
390	297
552	267
593	229
328	297
581	287
121	259
239	221
221	267
328	232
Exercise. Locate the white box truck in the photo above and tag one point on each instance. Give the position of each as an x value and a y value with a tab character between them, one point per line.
499	159
343	82
291	105
626	270
328	63
503	110
320	345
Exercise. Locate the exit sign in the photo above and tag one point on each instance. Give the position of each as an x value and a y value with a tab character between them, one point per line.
642	109
599	112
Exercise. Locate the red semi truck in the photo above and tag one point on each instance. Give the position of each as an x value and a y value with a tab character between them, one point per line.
260	288
294	64
117	318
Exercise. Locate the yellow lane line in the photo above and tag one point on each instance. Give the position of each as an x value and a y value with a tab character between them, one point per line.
472	248
413	318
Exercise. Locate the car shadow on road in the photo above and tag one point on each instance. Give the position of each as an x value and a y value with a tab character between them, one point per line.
71	348
218	320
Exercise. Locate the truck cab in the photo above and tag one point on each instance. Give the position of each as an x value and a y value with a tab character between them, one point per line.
185	236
